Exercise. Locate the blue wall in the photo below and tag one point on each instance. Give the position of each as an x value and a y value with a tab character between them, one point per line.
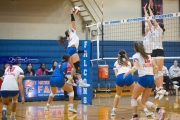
50	51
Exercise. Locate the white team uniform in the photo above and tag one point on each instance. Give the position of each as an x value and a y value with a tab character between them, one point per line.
157	36
122	69
148	43
145	66
73	39
10	82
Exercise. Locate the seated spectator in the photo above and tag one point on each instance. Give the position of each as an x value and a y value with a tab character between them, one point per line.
167	80
42	70
54	64
29	71
174	72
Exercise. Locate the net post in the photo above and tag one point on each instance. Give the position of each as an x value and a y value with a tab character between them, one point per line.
97	40
102	39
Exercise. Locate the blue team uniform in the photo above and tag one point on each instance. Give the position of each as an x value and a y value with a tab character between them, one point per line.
57	78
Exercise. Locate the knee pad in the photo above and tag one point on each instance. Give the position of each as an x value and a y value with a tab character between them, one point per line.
71	94
77	67
52	95
133	102
14	101
156	76
148	104
117	96
160	73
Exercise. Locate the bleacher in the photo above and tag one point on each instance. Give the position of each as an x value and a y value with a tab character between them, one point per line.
50	51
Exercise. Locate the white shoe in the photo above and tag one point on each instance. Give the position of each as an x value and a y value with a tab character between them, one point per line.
167	93
47	108
148	113
71	109
176	87
113	112
74	84
162	94
83	84
12	118
166	98
157	96
161	114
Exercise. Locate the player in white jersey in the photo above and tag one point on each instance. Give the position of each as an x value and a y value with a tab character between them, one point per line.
146	68
121	66
11	86
73	44
157	33
147	40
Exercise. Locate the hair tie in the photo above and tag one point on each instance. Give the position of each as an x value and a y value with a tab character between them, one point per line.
119	55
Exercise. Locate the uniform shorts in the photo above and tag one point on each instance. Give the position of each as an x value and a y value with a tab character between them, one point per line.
120	81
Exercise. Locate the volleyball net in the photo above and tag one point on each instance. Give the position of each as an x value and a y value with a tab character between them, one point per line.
111	36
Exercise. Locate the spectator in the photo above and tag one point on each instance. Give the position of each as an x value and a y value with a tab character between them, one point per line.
42	70
167	80
54	64
29	71
174	72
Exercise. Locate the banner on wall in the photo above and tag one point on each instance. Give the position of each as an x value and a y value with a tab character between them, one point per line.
36	88
156	7
86	94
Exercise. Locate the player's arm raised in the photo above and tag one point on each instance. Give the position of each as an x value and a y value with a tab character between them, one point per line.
151	13
73	20
146	15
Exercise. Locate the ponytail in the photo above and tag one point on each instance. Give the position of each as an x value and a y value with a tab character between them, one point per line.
10	67
121	55
61	40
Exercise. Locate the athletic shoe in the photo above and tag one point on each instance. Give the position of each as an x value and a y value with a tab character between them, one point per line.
166	98
47	108
71	109
148	113
83	84
113	112
167	93
12	118
157	96
4	117
71	117
162	92
135	117
161	114
74	84
176	87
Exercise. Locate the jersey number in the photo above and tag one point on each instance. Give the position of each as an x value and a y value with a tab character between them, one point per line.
11	70
146	60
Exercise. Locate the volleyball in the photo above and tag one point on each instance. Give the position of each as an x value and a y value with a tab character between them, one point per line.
76	10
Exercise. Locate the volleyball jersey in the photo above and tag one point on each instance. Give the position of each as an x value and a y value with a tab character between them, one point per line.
73	39
10	82
145	65
122	68
62	71
147	42
157	36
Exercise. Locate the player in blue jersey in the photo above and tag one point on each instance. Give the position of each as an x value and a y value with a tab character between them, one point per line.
63	69
73	44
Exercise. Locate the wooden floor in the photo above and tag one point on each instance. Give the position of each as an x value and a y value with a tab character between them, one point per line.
99	110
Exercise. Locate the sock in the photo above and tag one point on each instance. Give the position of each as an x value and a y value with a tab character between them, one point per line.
114	109
70	104
157	89
48	104
4	107
13	114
